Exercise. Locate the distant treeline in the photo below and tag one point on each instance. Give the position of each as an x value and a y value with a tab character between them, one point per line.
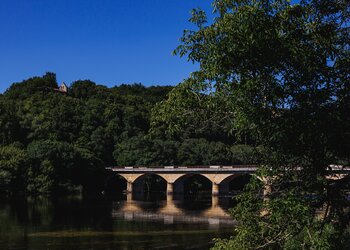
51	142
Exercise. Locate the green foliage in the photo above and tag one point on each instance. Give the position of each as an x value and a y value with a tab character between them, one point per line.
9	123
52	167
245	154
283	221
69	138
275	75
142	151
32	86
311	237
83	89
41	178
13	161
203	152
190	113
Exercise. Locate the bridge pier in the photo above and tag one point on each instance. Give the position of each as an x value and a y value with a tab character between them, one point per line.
215	189
129	197
129	187
170	188
169	197
214	201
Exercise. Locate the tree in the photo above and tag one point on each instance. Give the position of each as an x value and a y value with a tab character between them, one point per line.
9	124
135	151
83	89
13	162
70	138
278	72
32	86
202	152
53	166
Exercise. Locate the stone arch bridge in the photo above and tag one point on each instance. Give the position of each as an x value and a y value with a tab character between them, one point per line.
219	176
174	176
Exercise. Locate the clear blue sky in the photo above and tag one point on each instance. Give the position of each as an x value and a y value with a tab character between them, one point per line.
107	41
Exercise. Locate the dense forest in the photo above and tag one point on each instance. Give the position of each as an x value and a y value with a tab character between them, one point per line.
279	71
52	142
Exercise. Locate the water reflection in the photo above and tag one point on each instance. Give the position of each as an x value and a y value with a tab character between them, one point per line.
120	223
169	211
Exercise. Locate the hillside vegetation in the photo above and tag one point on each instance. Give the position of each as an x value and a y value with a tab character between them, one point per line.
52	142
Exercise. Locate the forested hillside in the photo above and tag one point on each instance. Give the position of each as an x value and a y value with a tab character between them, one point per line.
51	142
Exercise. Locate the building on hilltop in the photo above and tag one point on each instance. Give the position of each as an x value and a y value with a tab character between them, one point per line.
62	89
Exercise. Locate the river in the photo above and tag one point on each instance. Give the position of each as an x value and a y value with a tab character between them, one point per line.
121	223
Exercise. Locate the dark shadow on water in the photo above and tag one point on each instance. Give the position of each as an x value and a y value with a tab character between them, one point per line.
115	185
197	202
149	196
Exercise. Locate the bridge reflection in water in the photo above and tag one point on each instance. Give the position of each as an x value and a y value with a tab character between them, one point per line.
172	211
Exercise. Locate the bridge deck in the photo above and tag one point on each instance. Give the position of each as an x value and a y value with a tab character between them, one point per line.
187	169
206	169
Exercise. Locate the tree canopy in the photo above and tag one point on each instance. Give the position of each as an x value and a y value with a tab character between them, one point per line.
52	142
277	74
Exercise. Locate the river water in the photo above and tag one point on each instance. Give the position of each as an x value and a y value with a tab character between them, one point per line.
121	223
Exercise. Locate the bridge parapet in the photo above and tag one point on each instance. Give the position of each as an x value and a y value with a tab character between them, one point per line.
239	169
181	166
195	169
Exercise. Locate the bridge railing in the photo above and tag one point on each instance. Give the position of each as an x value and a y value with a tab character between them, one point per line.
183	167
333	168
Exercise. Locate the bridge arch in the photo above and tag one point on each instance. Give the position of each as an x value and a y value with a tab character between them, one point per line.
149	183
191	183
234	183
115	185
